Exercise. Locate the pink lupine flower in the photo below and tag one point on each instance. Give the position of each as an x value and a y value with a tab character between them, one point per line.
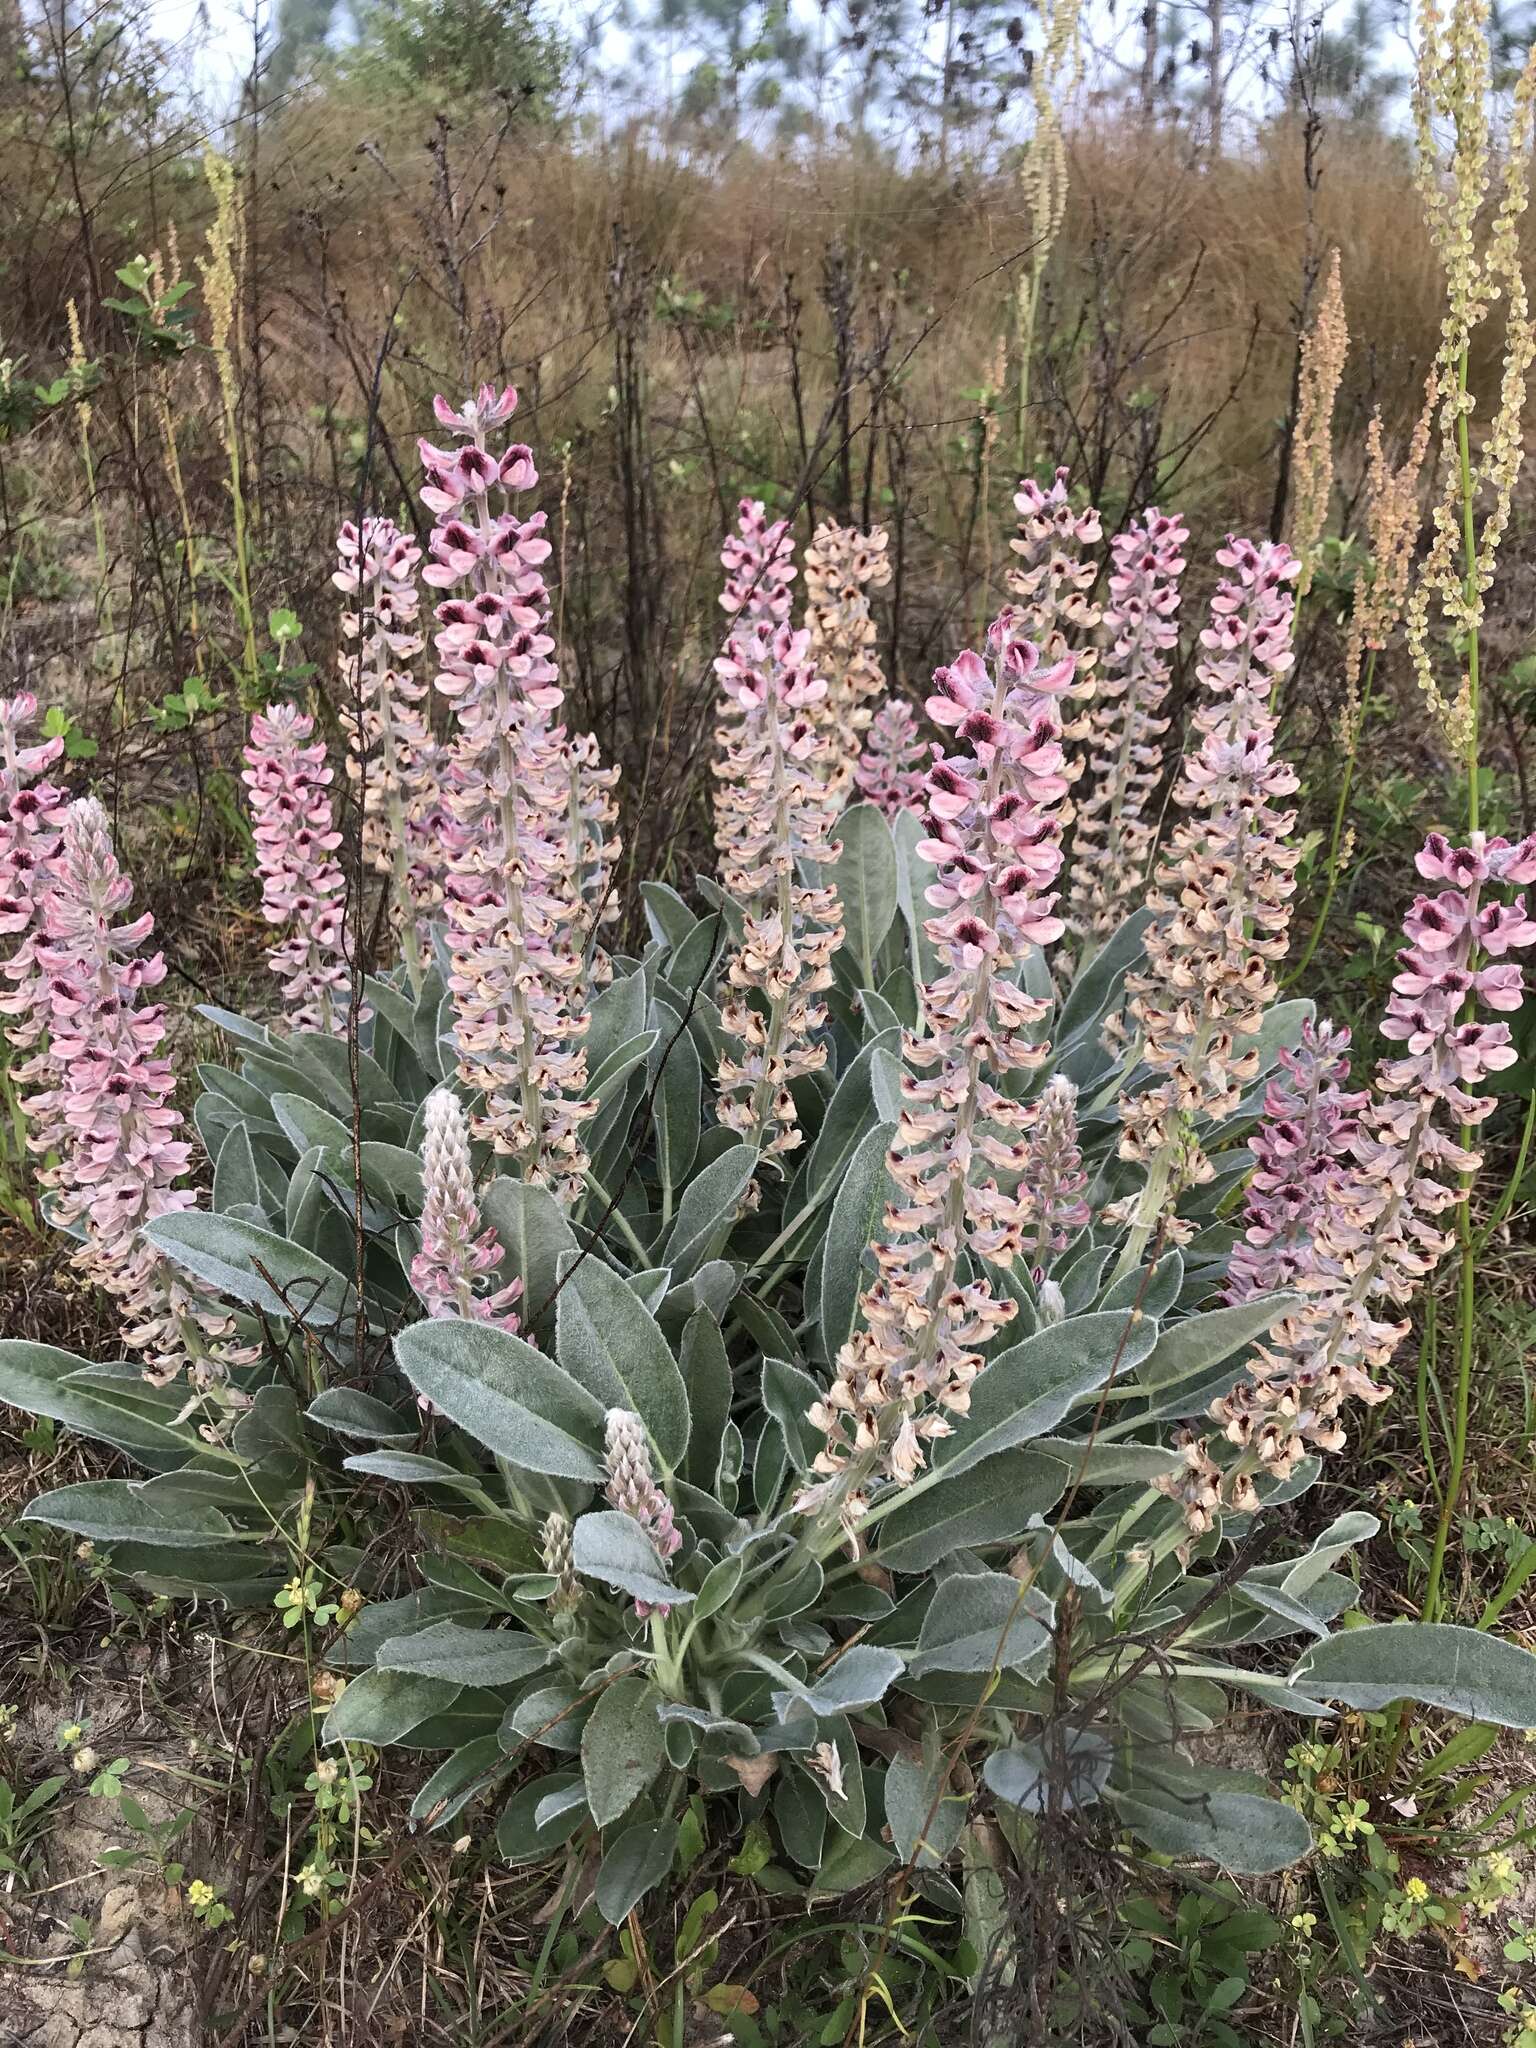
456	1252
103	1103
1221	898
1115	833
392	758
890	769
31	814
302	885
632	1489
517	919
1050	581
842	567
488	408
774	809
758	559
963	1144
1301	1153
1377	1235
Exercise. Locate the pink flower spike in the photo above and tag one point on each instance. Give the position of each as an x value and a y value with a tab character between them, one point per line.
98	1095
302	885
1116	831
1221	900
527	838
393	761
994	823
1348	1194
779	789
842	568
889	773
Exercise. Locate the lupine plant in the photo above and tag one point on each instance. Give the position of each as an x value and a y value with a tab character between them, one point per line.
819	1352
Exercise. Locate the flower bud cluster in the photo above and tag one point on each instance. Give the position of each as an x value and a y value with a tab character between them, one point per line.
592	846
302	885
456	1253
1053	1179
557	1556
631	1488
1301	1154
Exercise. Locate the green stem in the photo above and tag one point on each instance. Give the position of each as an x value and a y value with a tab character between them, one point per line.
1336	836
1506	1201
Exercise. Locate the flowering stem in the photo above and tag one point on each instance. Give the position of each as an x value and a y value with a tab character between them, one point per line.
1466	1238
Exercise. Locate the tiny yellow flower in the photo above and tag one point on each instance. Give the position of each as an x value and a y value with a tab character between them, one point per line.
1417	1890
199	1894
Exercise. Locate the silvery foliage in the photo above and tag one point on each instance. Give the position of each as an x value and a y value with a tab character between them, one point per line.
1023	1607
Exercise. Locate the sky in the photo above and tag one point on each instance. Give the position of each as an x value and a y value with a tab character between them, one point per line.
215	35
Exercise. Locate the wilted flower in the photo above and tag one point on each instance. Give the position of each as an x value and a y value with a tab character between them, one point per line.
1323	349
1451	89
